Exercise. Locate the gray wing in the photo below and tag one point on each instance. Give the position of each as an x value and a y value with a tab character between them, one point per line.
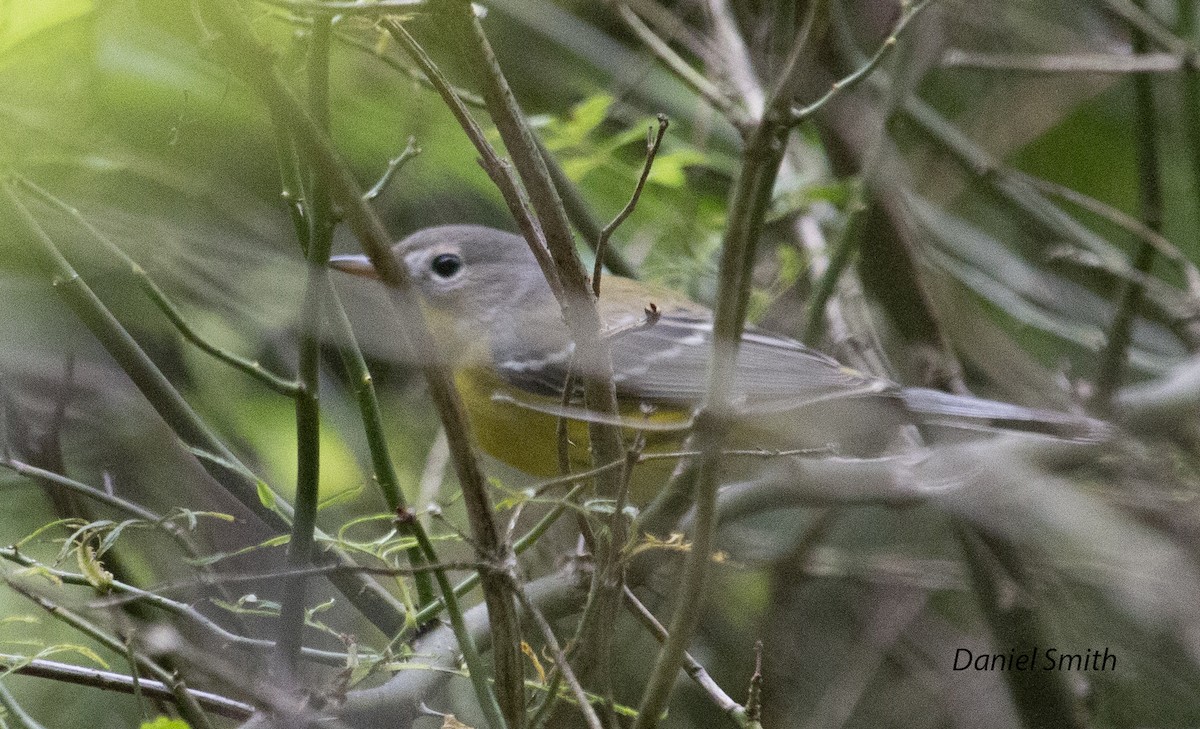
667	363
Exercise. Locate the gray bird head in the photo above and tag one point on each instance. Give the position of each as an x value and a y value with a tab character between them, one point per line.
481	288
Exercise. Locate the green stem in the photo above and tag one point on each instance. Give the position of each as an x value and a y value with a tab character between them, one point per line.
765	148
183	610
254	62
308	409
844	250
216	459
164	304
372	418
14	710
1150	203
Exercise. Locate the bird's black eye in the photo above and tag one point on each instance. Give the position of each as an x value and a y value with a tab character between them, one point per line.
445	265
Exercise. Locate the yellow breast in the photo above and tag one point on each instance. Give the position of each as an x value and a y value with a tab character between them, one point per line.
527	439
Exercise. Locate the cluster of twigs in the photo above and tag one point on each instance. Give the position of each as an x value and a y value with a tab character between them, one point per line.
322	193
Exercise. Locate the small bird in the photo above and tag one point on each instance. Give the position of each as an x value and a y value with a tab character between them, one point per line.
499	326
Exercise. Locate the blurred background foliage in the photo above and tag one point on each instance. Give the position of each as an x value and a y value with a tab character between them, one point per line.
965	273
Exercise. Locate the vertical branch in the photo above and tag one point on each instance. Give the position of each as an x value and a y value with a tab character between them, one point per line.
653	142
765	147
372	418
253	61
582	319
1150	206
1186	28
308	410
581	216
843	253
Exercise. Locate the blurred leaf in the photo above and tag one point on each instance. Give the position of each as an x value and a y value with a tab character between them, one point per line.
164	722
20	21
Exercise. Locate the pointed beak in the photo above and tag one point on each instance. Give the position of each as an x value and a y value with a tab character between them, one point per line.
358	265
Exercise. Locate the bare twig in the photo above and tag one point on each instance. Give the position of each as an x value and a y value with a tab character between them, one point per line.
691	666
254	62
1150	203
653	141
410	150
214	456
560	658
1161	243
187	612
164	304
110	681
580	314
761	160
683	70
846	83
498	170
184	701
1106	63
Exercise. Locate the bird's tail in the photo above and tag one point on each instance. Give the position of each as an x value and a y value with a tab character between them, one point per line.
935	407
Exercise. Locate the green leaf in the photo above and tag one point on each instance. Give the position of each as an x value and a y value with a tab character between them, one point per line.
92	569
266	496
583	119
668	169
165	722
23	20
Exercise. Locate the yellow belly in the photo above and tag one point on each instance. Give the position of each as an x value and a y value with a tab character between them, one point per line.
528	440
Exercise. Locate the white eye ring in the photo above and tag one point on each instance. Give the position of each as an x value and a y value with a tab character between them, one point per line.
446	265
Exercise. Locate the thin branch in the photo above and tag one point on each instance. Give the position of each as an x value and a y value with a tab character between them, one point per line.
128	507
121	683
500	172
761	160
308	412
283	386
371	415
845	246
1185	25
1148	27
410	150
15	711
349	7
467	98
560	658
428	612
691	666
846	83
174	607
1010	611
1085	63
1114	357
576	207
582	319
683	70
254	62
184	701
581	216
214	456
1161	243
653	141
